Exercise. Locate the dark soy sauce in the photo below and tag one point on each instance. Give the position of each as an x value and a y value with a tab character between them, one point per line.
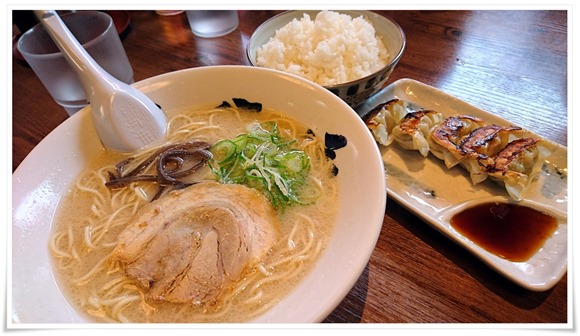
511	231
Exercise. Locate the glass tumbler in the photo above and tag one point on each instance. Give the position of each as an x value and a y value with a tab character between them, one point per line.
212	23
96	32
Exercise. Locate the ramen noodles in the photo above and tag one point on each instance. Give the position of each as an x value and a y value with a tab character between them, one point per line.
107	277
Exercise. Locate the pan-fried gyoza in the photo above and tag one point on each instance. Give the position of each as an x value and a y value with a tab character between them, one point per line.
483	150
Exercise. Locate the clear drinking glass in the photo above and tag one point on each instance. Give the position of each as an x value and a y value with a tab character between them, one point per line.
98	35
212	23
168	12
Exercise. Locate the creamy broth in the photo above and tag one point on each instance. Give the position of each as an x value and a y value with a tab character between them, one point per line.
91	216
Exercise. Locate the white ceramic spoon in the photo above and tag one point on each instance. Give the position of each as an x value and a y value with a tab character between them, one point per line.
125	118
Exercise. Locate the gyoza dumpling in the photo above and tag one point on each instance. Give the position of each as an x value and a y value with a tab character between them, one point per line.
412	132
446	137
489	140
383	117
482	143
518	164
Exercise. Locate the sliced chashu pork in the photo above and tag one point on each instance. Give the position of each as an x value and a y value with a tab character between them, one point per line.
190	244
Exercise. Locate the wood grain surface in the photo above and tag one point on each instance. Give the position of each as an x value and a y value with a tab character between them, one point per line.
509	63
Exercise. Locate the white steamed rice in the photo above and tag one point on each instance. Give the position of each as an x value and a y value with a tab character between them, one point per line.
334	48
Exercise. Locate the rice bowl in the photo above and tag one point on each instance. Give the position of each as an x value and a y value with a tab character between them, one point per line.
353	91
329	49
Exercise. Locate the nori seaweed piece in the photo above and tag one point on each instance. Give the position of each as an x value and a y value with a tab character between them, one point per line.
330	153
334	141
334	170
224	104
244	104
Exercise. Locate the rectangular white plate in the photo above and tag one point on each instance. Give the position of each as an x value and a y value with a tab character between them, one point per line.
434	193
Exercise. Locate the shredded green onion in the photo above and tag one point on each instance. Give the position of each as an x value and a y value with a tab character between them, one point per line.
264	160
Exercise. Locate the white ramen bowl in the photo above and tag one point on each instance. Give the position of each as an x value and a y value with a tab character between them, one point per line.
47	172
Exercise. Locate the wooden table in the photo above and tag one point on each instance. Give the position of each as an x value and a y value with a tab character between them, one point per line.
510	63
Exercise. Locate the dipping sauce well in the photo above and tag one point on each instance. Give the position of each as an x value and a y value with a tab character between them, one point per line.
511	231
